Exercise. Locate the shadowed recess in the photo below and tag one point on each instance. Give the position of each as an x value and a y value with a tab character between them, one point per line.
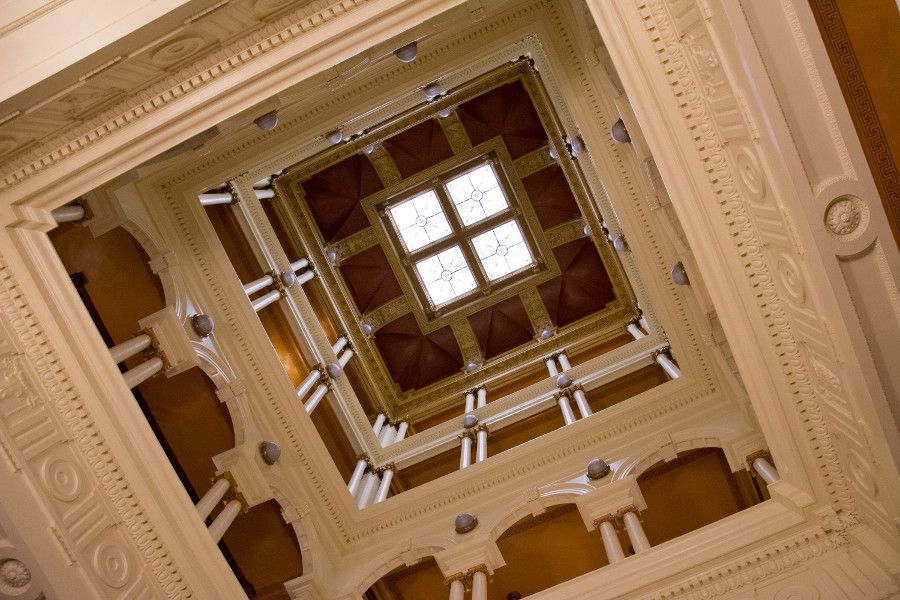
502	327
370	279
582	288
334	195
418	147
416	360
506	111
551	196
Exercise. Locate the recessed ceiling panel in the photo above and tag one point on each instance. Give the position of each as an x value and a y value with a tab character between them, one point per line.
582	288
506	111
416	360
333	196
502	327
370	279
418	147
551	196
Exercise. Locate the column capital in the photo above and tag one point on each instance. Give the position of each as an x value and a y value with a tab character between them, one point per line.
610	518
233	492
465	433
627	509
455	577
750	458
481	427
482	568
664	351
365	458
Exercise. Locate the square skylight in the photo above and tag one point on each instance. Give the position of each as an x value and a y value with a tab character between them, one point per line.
502	250
477	194
446	275
420	220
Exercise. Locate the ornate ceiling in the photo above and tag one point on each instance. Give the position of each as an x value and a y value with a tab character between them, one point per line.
344	200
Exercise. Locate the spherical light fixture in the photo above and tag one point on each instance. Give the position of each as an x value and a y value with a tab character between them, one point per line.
202	325
620	133
562	380
597	469
334	370
432	90
470	421
268	121
465	522
619	243
287	278
407	53
679	275
334	137
270	452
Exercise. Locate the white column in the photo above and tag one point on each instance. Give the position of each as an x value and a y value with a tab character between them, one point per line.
370	484
465	453
479	585
635	531
379	423
264	194
224	520
457	590
358	473
317	396
470	403
765	470
265	300
127	349
566	408
611	543
482	397
388	432
308	382
643	323
668	366
345	357
67	213
258	284
213	496
215	198
401	431
385	485
299	264
551	367
635	331
481	446
144	371
305	276
339	344
564	363
584	409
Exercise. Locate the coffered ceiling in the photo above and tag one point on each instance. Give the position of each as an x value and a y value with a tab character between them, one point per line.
567	290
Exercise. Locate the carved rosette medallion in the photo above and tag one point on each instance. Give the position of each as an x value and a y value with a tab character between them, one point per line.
14	577
844	216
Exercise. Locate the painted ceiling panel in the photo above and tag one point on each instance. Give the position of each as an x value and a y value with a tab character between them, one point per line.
502	327
506	111
418	147
551	196
370	279
582	288
416	360
334	195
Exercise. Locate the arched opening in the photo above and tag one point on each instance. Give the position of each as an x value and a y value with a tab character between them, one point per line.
421	580
545	550
694	490
112	276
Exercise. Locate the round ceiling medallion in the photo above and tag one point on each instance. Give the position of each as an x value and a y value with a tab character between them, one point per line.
176	50
844	215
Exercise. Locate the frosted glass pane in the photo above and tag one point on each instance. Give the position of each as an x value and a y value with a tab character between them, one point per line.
477	194
446	275
420	220
502	250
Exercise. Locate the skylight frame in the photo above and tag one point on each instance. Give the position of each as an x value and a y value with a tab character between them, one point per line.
462	233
